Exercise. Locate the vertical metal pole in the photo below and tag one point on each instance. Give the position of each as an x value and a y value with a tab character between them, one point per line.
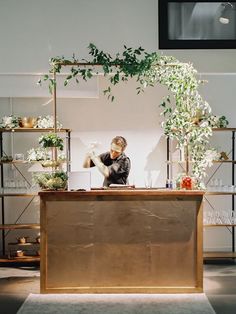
187	160
55	101
68	152
54	153
1	153
2	198
168	158
233	158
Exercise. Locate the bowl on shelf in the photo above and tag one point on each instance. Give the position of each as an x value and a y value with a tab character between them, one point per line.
28	122
22	240
51	181
19	253
51	163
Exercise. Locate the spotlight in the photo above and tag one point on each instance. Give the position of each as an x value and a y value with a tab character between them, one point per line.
225	14
224	20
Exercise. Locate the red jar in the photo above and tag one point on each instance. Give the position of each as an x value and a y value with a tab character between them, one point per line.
187	183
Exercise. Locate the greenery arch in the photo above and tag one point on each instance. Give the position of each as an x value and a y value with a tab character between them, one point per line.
186	116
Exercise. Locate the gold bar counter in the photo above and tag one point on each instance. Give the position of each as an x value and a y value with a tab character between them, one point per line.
121	241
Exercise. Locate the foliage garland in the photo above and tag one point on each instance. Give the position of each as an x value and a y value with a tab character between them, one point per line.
186	114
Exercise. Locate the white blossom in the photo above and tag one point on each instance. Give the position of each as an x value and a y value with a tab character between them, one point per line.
47	122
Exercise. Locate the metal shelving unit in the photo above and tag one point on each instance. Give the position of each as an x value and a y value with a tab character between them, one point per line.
6	228
230	227
232	161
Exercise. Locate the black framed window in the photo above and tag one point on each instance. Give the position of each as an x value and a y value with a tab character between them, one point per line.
197	24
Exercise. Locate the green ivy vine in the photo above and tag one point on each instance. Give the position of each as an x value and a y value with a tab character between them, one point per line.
186	115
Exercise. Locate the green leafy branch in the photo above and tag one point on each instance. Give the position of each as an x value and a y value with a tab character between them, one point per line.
131	62
185	113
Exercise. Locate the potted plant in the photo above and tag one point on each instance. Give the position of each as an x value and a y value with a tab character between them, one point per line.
43	155
218	121
47	156
51	180
51	140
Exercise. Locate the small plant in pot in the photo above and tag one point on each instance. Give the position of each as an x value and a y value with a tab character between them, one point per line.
51	180
51	140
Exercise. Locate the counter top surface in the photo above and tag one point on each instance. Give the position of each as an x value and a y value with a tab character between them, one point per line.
125	191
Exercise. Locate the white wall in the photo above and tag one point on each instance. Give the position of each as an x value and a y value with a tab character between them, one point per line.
33	31
136	117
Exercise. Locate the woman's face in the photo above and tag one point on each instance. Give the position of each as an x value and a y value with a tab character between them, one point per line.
115	151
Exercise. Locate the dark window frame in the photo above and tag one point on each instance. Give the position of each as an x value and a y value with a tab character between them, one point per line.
165	43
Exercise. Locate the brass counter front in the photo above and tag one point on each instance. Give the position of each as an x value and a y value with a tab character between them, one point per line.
121	242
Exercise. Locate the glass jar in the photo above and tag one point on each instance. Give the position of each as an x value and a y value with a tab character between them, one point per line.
187	183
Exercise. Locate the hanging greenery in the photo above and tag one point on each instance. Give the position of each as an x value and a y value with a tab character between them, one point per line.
186	114
132	62
51	140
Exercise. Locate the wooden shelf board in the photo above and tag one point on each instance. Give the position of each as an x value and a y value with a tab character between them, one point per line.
223	129
219	193
19	226
220	225
24	244
25	258
18	194
224	161
18	162
4	259
219	255
33	130
178	162
15	162
190	161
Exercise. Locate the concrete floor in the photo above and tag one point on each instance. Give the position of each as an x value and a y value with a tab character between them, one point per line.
17	282
220	286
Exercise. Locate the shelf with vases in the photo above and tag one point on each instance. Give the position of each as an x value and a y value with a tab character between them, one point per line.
25	258
223	190
18	250
29	252
23	244
22	188
20	226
